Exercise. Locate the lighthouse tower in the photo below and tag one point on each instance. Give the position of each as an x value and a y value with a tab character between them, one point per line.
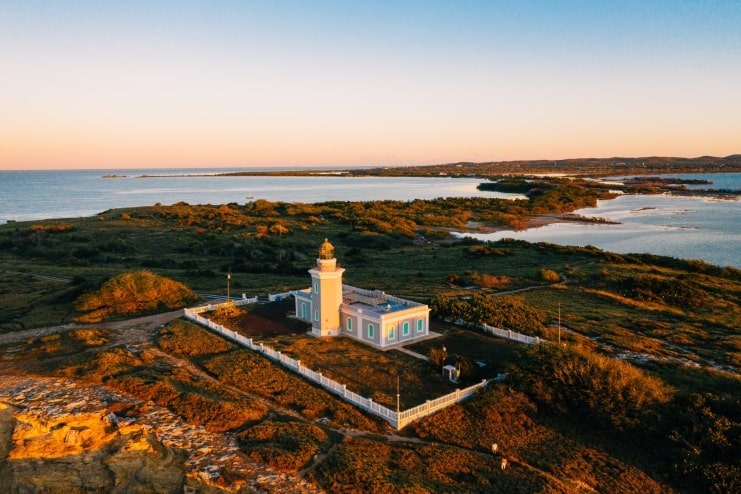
326	293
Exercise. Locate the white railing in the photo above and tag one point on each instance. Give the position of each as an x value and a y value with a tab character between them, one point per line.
511	335
398	420
374	297
277	297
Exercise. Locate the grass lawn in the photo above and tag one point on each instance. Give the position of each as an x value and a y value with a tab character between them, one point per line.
496	353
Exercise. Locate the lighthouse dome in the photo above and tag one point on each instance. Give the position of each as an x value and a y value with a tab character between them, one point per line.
326	251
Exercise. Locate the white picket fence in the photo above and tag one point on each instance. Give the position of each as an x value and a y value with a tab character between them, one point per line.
398	420
277	297
511	335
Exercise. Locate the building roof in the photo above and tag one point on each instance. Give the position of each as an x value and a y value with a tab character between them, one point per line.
375	301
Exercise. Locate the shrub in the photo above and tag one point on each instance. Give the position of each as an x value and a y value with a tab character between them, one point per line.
549	276
485	280
285	446
90	337
131	293
706	428
504	312
575	380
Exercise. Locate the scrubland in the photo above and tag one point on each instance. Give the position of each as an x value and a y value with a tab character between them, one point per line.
641	395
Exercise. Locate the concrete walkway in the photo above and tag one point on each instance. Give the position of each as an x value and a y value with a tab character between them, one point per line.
400	346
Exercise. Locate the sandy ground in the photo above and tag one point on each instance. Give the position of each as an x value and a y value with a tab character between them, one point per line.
130	331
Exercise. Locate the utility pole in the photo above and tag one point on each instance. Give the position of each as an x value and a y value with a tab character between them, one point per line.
397	393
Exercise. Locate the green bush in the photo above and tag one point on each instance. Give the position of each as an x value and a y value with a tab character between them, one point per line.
503	312
576	380
131	293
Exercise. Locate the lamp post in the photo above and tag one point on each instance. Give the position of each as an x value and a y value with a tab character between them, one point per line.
228	280
397	393
559	324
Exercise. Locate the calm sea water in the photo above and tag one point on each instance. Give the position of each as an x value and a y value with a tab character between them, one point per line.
34	195
688	228
682	227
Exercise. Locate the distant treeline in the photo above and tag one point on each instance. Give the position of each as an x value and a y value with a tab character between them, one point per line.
592	167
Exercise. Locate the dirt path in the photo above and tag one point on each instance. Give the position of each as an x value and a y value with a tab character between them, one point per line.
130	331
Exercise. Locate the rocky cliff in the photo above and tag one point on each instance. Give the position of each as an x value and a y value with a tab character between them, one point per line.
86	452
62	436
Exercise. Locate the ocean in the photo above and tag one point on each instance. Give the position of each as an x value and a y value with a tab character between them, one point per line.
35	195
684	227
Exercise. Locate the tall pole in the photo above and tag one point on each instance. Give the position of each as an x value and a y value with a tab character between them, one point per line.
397	393
228	280
559	324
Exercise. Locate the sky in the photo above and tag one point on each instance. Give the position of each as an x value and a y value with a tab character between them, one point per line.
144	84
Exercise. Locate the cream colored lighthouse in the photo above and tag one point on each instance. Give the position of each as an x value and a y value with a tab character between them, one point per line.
371	316
326	293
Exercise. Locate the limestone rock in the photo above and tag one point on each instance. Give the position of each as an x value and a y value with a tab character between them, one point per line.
84	452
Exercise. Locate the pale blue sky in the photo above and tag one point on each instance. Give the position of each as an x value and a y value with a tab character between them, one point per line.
227	83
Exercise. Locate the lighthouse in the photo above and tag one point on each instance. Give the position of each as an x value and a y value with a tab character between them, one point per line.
326	292
371	316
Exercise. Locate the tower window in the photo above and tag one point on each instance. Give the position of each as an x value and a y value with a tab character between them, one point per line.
405	329
316	287
349	324
316	315
370	331
391	333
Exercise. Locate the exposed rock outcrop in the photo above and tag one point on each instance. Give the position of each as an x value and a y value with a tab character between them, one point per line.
61	436
86	452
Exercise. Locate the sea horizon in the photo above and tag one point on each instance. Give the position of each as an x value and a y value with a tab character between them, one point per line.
684	227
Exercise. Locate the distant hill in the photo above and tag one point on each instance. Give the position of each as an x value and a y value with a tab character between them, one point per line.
574	166
593	167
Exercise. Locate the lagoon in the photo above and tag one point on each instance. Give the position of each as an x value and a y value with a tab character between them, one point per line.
682	227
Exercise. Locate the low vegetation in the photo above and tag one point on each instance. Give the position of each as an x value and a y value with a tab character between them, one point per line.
253	374
641	395
133	293
573	380
549	448
184	339
502	312
362	464
286	445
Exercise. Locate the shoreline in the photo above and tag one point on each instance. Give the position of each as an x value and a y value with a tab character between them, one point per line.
540	221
